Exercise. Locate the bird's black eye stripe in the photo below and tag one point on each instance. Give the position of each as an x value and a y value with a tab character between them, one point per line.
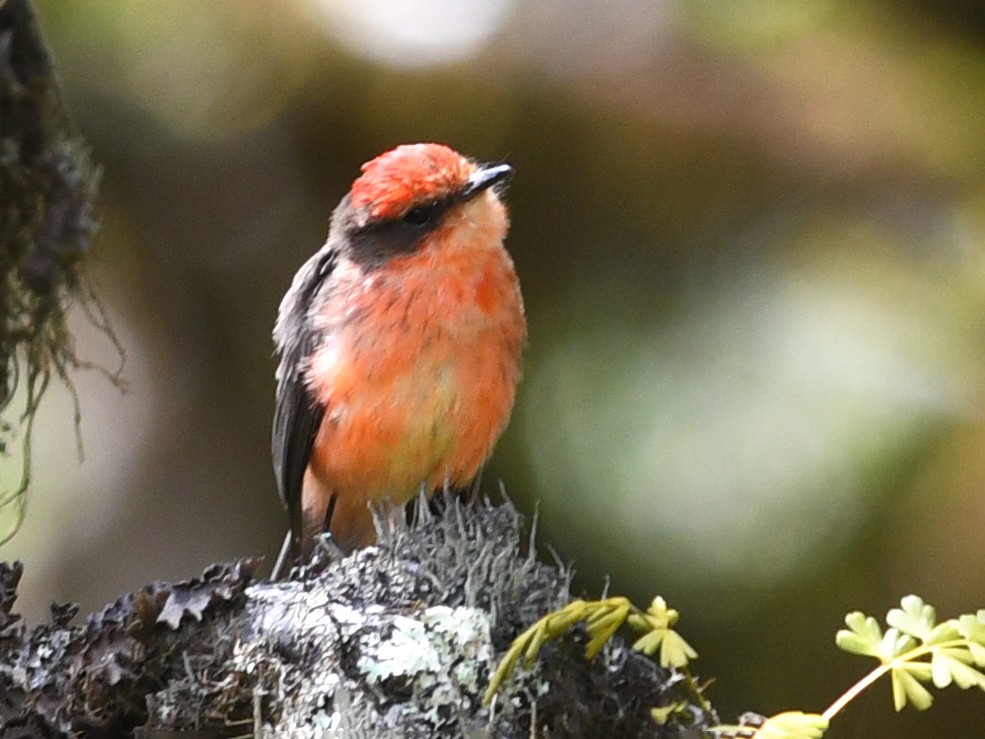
378	240
420	215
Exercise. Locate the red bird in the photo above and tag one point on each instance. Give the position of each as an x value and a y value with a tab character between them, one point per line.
399	344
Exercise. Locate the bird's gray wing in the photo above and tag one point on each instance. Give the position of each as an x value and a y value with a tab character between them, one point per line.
297	413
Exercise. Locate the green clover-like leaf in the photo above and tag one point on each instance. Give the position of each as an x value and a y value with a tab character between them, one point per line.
943	632
661	614
893	644
972	627
656	622
916	651
793	725
940	667
915	618
922	671
650	642
675	651
863	635
966	676
907	686
977	653
954	664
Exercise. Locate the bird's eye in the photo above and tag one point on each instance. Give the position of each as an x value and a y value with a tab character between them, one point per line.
419	216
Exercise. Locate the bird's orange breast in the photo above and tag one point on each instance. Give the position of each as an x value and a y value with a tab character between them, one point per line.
418	370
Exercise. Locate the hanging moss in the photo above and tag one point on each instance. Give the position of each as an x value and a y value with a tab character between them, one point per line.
48	187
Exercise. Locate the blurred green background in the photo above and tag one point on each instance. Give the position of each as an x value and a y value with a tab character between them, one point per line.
751	237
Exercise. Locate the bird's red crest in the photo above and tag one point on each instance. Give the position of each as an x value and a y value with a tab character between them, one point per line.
407	175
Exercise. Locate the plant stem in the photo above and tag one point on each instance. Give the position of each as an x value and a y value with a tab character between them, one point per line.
849	695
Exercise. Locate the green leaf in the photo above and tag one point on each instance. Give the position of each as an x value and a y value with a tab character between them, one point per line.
535	638
602	619
947	631
966	676
662	713
972	627
674	651
922	671
793	725
504	669
907	688
893	644
977	653
557	623
941	669
638	621
915	618
661	614
953	664
602	629
649	643
863	635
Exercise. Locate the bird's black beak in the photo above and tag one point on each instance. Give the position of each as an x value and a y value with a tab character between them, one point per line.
485	177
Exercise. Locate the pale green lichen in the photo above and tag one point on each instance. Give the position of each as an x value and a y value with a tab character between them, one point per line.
439	655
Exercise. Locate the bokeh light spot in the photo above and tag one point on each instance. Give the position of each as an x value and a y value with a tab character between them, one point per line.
413	33
740	440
